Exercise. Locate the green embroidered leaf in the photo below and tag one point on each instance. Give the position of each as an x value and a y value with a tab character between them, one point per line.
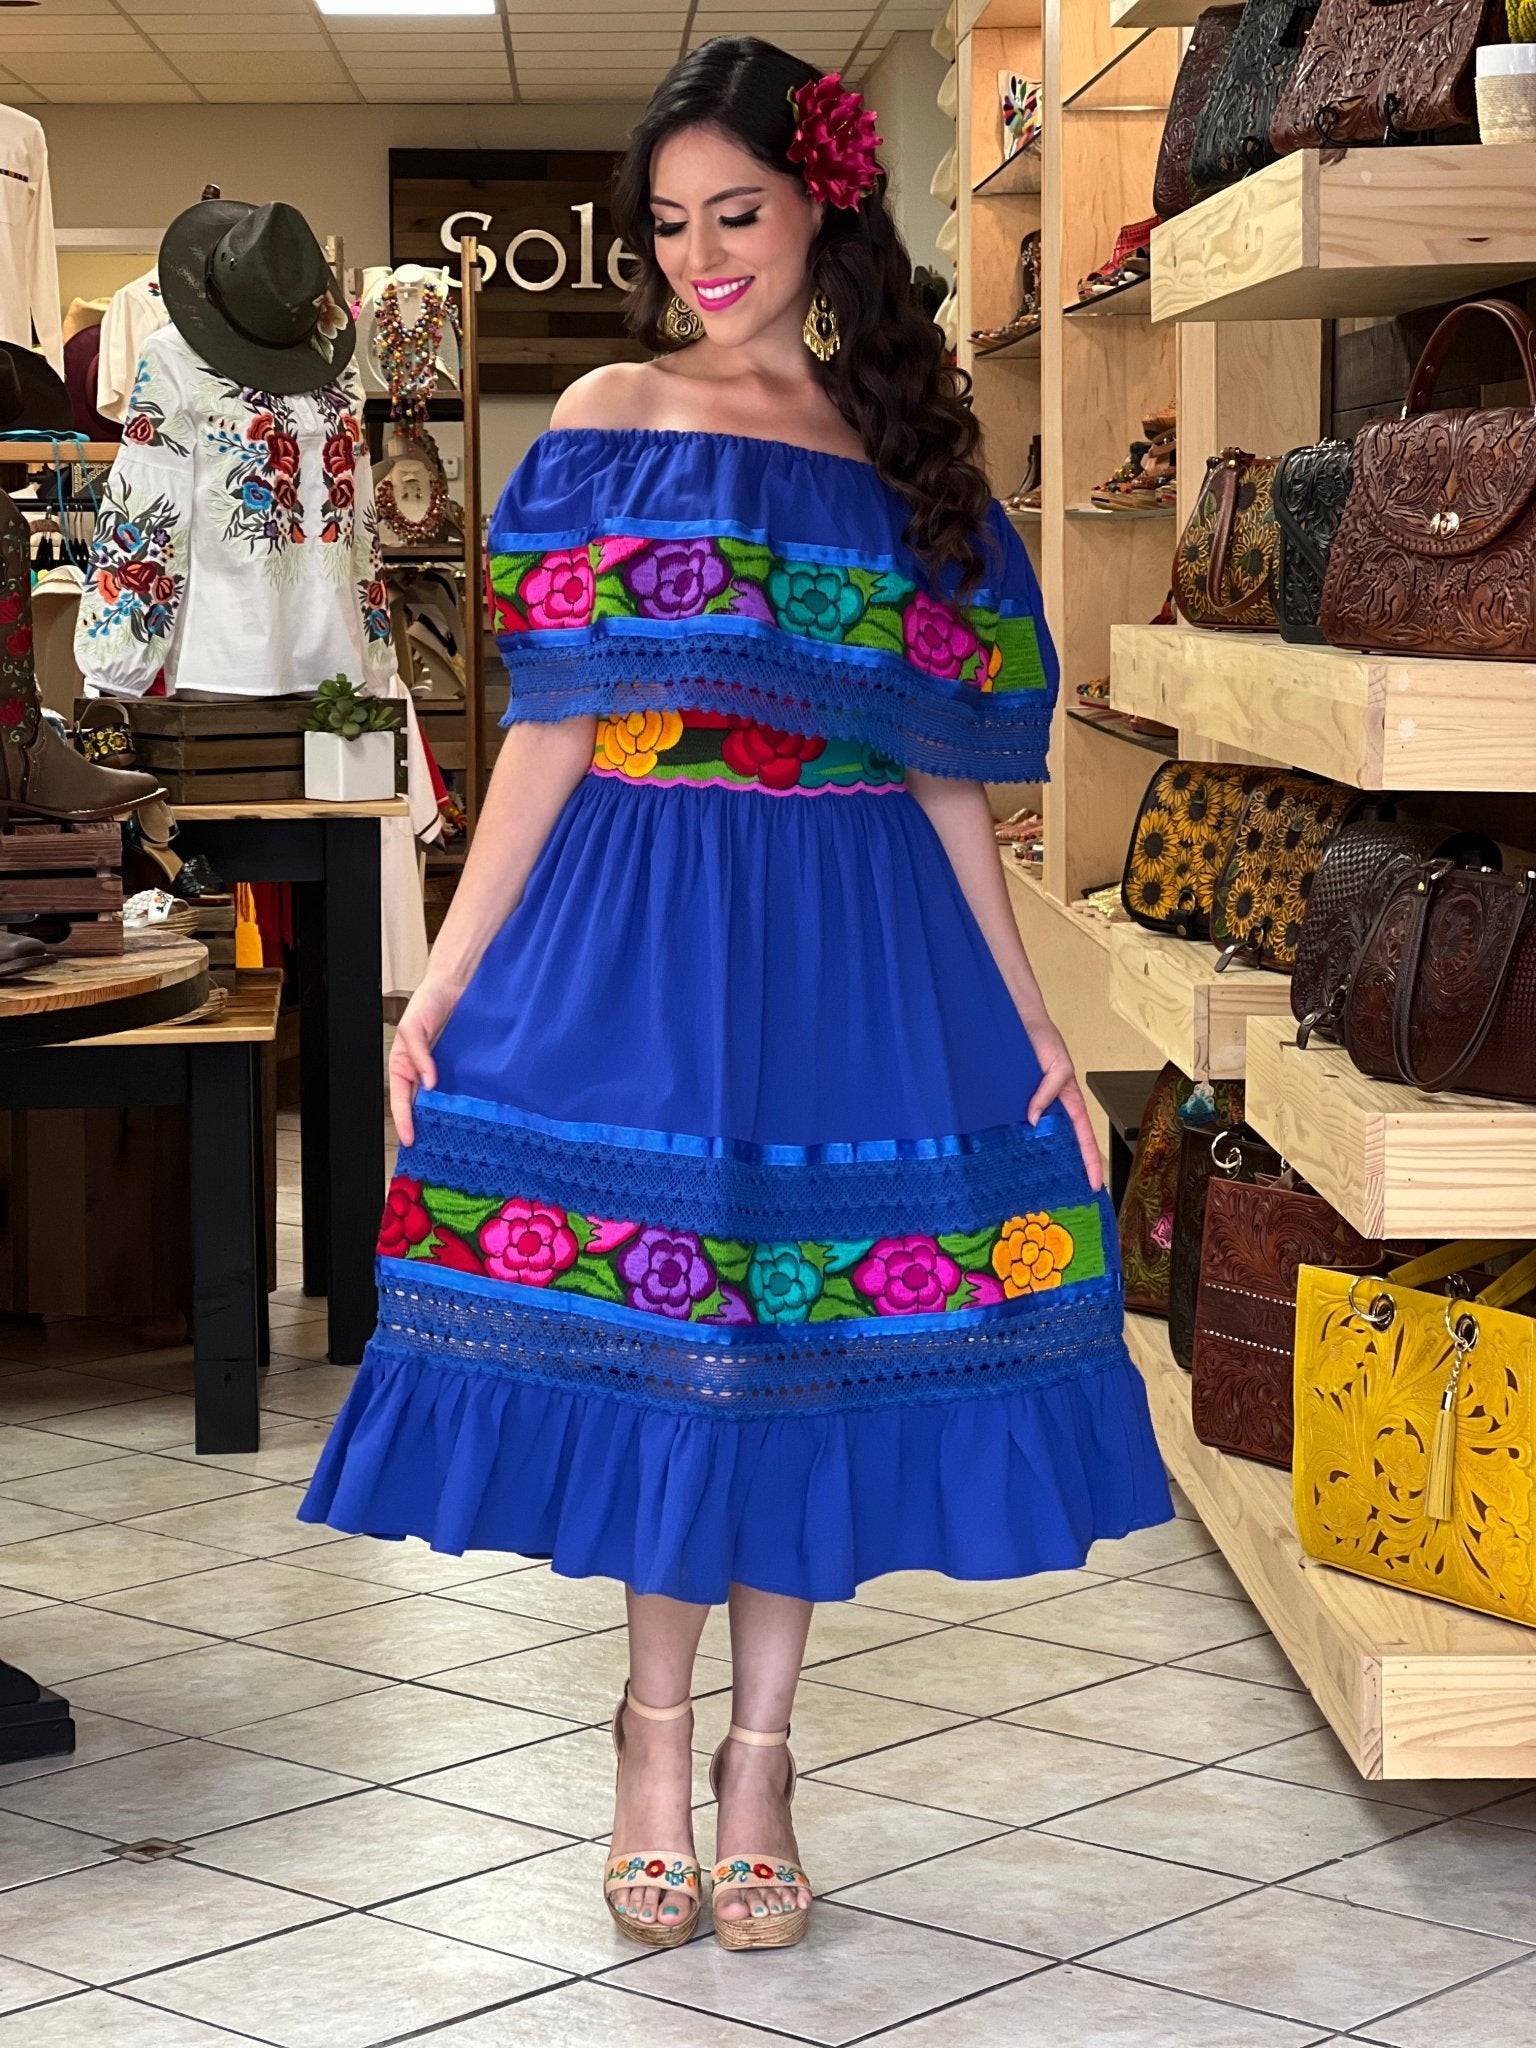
815	1255
1086	1226
729	1256
832	1309
970	1249
746	557
507	571
593	1276
880	629
580	1228
842	1292
1022	668
611	591
463	1214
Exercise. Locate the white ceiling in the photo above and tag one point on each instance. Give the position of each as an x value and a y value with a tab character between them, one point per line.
166	51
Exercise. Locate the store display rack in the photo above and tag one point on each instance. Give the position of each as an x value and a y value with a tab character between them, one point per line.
1169	989
1412	1688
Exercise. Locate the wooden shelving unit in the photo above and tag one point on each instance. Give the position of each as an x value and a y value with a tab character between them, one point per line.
1378	721
1169	989
1395	1161
1373	231
1412	1688
1155	13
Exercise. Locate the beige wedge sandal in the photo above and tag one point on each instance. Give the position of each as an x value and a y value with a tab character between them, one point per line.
666	1869
747	1874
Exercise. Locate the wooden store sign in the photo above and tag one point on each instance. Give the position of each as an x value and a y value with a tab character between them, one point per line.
555	273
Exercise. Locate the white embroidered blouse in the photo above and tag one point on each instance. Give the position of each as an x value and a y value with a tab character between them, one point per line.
237	545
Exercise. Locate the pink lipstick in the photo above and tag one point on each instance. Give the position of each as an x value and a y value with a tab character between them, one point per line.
716	292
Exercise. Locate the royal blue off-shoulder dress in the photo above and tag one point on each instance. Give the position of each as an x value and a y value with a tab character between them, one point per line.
724	1251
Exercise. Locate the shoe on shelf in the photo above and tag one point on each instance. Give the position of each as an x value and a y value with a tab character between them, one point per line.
1028	482
41	776
1130	261
753	1872
19	955
1019	106
1119	488
665	1869
1027	319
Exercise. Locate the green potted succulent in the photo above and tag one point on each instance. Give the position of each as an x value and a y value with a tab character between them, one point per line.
1506	80
349	744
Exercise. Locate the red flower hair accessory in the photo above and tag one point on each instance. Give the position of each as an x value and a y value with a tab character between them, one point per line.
835	140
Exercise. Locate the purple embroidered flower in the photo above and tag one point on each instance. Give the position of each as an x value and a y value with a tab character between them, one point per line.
666	1271
734	1307
907	1276
560	590
936	641
749	602
675	579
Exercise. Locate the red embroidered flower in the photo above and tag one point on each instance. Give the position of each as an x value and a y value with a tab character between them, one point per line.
283	452
139	428
378	594
259	426
163	589
10	608
12	711
655	1867
449	1249
775	758
762	1870
19	642
341	489
406	1221
835	140
338	458
284	492
139	577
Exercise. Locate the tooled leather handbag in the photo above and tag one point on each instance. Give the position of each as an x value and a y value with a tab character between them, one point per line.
1204	1156
1311	486
1232	133
1147	1206
1361	865
1444	993
1257	1238
1436	552
1225	564
1198	71
1261	895
1374	69
1179	843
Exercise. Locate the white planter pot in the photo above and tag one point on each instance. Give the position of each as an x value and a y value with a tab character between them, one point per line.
349	771
1506	92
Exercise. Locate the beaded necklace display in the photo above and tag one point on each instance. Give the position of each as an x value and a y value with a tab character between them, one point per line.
413	532
408	355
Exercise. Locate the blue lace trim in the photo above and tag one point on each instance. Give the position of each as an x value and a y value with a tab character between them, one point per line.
450	1322
725	1187
980	735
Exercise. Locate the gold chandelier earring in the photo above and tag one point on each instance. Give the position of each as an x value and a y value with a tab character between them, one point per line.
823	337
680	322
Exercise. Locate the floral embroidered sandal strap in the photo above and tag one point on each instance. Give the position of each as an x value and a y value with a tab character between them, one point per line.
667	1870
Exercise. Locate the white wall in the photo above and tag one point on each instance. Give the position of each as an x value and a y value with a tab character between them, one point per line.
902	88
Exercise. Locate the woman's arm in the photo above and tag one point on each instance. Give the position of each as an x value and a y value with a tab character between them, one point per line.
536	771
960	814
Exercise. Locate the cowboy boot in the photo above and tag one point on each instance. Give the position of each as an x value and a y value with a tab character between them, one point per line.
41	775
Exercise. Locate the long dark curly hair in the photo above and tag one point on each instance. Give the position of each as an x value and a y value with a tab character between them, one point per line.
889	379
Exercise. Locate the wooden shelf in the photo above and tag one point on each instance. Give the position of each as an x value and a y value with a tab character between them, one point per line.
1025	350
64	449
1170	990
1155	13
1378	231
1017	178
1413	1688
1379	721
1126	301
1076	915
1165	744
1395	1161
1126	515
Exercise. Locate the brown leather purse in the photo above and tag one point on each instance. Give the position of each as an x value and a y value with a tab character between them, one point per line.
1172	191
1444	994
1371	69
1226	563
1261	895
1258	1236
1204	1156
1436	552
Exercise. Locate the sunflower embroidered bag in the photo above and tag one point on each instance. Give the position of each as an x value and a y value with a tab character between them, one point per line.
1414	1421
1261	893
1179	844
1226	568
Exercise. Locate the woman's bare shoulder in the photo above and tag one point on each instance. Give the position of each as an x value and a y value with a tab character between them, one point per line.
613	395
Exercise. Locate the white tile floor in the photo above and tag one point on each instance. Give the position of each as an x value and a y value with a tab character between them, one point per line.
1095	1811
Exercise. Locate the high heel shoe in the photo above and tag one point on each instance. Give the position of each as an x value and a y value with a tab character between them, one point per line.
752	1873
666	1869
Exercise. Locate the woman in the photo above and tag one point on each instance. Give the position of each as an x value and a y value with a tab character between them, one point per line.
749	1238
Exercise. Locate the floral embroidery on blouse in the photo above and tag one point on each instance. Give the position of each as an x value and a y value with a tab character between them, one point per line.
137	568
372	591
261	473
344	443
147	423
623	577
722	750
695	1278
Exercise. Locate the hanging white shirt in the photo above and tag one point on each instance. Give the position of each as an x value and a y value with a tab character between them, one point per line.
29	264
134	312
237	545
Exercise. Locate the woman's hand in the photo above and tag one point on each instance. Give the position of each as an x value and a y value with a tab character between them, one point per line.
1058	1083
411	1065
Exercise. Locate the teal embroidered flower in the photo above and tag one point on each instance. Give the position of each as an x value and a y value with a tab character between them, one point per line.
782	1283
812	598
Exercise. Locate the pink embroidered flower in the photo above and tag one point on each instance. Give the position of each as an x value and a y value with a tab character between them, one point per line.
981	1290
666	1270
561	590
528	1242
834	141
936	641
607	1235
406	1221
906	1276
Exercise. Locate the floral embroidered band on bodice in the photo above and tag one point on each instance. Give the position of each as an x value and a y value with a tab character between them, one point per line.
716	750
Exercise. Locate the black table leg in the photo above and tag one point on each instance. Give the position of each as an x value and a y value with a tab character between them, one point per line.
354	1108
314	1084
228	1247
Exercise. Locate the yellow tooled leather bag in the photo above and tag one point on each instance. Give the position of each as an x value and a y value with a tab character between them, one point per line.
1414	1420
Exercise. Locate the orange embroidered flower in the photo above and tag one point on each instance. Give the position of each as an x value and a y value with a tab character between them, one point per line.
632	742
1031	1253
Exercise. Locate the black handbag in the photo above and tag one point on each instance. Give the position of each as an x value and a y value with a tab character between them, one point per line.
1310	488
1232	133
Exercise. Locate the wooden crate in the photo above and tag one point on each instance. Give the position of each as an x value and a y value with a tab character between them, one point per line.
68	871
235	750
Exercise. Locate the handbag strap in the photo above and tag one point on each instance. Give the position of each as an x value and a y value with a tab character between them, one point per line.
1447	1259
1405	982
1511	1285
1426	375
1227	482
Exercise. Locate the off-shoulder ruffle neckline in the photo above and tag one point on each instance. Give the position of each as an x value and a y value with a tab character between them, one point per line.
710	434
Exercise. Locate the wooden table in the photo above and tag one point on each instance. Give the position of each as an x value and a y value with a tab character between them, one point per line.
330	853
214	1067
158	976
